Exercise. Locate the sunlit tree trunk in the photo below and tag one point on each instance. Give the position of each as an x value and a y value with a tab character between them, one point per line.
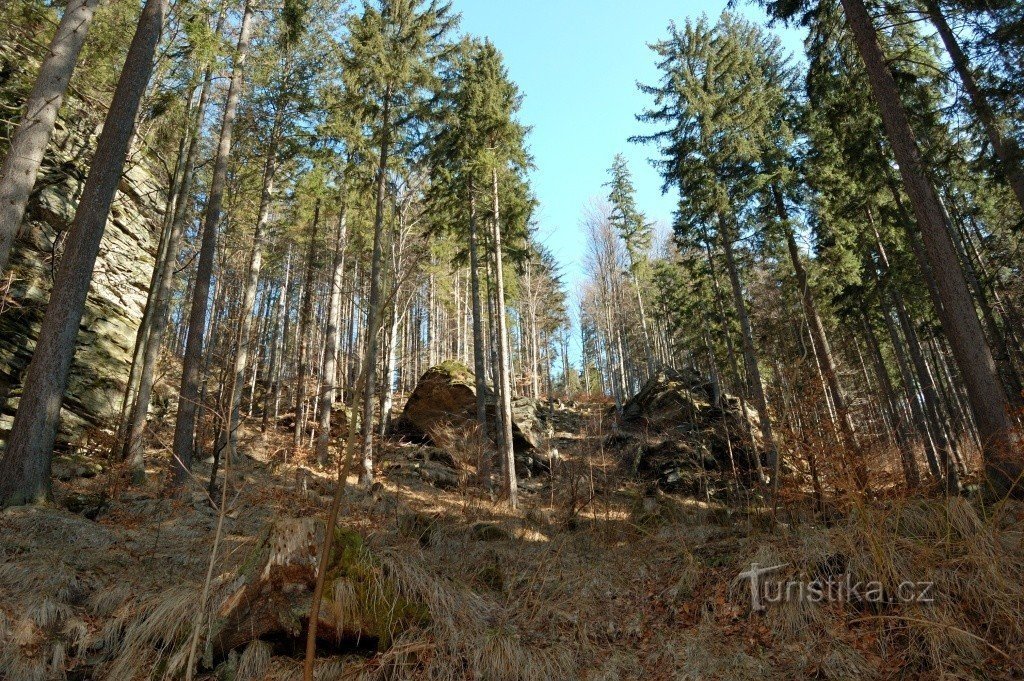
272	399
304	331
25	466
32	136
508	462
332	338
374	314
479	364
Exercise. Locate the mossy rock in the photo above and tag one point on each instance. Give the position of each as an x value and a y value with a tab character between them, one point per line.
484	531
359	585
442	410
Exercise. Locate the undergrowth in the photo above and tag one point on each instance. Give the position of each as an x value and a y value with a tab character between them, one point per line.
596	577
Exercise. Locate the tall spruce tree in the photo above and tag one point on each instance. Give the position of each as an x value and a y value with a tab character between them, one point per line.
715	126
390	66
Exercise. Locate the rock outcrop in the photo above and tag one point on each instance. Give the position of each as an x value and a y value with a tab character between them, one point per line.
119	285
676	429
442	410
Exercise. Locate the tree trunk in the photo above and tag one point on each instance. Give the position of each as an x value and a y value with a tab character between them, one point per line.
25	467
29	141
733	363
387	388
305	330
272	399
1004	146
188	396
648	346
1003	462
508	461
375	304
479	363
332	341
750	358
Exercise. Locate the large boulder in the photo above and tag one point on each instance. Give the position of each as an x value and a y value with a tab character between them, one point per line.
442	408
678	428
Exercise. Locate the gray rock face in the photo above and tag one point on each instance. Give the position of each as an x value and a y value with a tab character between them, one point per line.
116	298
676	430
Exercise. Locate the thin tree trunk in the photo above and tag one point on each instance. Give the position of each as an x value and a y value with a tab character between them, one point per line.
1003	461
750	358
507	456
375	304
332	340
387	378
272	399
25	467
648	348
305	330
733	362
479	363
188	396
32	136
1004	146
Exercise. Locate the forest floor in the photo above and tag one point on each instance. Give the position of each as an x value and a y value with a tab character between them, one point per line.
595	576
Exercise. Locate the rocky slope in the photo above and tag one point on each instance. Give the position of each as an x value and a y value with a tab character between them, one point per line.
120	281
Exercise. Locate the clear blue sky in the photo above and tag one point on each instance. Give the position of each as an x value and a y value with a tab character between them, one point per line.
577	63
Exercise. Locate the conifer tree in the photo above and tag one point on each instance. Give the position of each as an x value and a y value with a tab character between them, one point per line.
390	67
715	128
635	232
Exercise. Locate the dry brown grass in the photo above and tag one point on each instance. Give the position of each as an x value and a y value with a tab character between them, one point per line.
586	581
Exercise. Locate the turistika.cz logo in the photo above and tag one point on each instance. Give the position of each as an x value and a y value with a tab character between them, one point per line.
765	590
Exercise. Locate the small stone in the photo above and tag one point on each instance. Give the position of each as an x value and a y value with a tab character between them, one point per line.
484	531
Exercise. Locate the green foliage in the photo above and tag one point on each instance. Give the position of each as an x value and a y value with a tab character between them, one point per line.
631	224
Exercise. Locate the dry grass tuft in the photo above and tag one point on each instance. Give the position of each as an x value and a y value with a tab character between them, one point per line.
586	581
254	663
947	589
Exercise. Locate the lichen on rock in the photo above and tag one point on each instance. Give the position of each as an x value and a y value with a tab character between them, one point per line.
117	295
